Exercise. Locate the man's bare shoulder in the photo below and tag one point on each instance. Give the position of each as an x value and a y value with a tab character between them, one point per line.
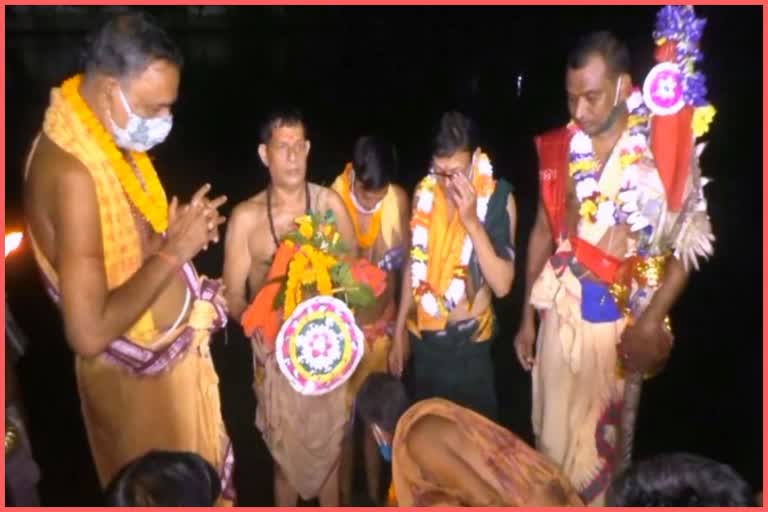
400	194
250	211
55	174
59	197
51	162
326	197
317	190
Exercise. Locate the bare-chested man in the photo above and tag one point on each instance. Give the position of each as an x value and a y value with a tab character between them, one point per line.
303	433
116	257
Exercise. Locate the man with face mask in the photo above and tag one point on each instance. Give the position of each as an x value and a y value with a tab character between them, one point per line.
303	433
462	238
116	257
605	213
443	454
379	212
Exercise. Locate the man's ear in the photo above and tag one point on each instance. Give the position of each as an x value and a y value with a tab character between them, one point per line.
309	146
626	86
109	87
263	155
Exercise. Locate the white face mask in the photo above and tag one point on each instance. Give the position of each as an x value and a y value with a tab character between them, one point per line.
140	134
358	206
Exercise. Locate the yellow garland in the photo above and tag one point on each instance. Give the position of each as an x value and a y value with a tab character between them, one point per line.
581	165
636	120
629	159
152	202
309	266
702	118
306	230
588	209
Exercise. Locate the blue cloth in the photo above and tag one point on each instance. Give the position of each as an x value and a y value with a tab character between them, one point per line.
597	303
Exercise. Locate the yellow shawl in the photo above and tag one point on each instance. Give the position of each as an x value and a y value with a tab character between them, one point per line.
120	236
385	222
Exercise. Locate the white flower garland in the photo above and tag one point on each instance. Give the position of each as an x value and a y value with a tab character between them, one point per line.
593	205
424	198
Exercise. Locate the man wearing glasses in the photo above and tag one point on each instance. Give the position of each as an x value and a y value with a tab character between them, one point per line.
462	232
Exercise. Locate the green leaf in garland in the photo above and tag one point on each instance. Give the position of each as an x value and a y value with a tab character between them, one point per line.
341	274
296	237
340	247
280	297
360	296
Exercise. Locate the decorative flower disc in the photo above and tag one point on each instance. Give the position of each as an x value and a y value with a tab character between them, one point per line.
319	346
663	89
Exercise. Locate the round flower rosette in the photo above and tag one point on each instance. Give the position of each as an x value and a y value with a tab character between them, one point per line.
319	346
663	89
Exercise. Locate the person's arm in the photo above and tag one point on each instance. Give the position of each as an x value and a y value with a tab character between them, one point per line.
404	207
406	296
646	344
540	248
498	272
94	315
400	349
237	260
675	280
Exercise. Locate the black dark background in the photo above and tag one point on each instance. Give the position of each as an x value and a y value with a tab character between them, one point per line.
393	70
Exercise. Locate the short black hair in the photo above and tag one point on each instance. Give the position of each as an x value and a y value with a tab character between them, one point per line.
126	43
606	45
165	479
455	132
375	162
382	399
679	480
283	116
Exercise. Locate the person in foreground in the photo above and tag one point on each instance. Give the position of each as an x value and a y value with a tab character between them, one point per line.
462	238
680	480
116	257
303	433
610	253
446	455
165	479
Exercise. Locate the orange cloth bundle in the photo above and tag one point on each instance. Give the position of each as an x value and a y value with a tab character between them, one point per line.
261	314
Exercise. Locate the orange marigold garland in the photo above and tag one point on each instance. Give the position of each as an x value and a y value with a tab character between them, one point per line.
319	267
367	239
151	201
